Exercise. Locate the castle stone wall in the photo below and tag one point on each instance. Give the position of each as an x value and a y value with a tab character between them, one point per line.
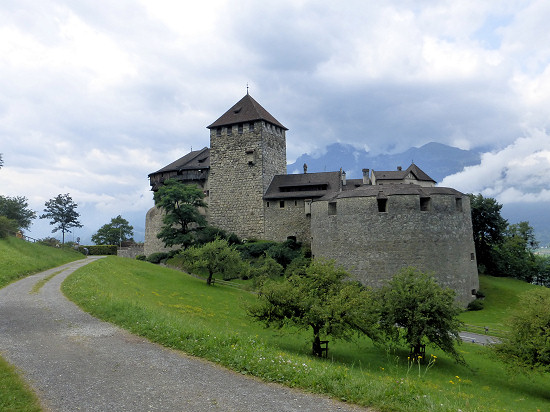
375	245
153	224
289	220
241	167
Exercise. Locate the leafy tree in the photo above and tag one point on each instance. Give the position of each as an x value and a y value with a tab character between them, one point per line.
114	233
489	228
528	343
181	204
216	257
7	226
321	299
17	209
61	211
515	258
414	309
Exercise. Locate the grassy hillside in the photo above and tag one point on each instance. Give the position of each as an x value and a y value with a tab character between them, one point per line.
179	311
19	258
501	298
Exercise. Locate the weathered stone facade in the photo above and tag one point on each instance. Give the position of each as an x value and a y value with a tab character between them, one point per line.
286	218
373	244
372	226
244	158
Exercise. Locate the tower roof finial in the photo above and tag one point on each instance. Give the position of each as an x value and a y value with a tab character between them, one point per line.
246	87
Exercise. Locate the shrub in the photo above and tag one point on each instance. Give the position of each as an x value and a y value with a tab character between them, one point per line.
266	266
157	257
254	250
141	257
284	253
480	294
475	305
96	250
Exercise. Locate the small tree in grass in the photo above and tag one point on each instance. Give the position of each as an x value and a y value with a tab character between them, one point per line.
216	257
414	309
322	299
114	233
61	211
528	343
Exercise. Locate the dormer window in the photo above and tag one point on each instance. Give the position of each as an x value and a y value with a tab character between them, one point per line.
237	110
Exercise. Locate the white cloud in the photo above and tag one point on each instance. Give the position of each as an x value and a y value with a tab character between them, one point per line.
94	97
518	173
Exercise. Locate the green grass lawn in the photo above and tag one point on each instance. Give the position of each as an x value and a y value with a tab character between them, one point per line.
18	259
501	297
182	312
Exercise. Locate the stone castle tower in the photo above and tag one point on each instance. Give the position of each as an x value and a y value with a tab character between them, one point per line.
247	149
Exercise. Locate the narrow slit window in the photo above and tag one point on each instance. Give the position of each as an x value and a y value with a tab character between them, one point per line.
240	128
382	205
458	204
229	130
218	131
282	204
250	126
332	208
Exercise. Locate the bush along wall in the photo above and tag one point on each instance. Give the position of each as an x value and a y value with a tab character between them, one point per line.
99	249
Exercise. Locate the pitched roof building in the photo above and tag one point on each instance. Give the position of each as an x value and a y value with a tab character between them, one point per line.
373	226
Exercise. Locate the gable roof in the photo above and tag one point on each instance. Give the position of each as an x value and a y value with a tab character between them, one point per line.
195	160
307	185
245	110
418	173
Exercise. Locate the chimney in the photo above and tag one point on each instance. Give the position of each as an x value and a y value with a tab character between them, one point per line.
343	178
366	180
399	168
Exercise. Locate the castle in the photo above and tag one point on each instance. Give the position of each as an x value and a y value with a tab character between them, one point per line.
372	226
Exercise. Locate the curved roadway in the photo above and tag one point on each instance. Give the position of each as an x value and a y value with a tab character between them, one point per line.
75	362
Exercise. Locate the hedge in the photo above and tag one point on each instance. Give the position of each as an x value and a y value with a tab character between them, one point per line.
99	249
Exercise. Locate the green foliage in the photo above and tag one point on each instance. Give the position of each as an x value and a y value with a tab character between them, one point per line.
99	250
320	299
7	227
528	343
19	258
141	257
475	305
489	227
414	309
61	211
180	312
285	252
207	234
266	266
157	257
114	233
254	249
17	209
216	258
181	204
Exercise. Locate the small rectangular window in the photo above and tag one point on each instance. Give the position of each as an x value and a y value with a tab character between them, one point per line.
229	130
267	204
425	204
251	126
382	205
218	131
332	208
459	204
295	203
282	204
472	256
240	128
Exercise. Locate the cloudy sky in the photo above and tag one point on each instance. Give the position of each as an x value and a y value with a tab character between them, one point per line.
94	96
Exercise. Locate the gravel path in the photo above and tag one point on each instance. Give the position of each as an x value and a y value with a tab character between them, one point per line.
75	362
